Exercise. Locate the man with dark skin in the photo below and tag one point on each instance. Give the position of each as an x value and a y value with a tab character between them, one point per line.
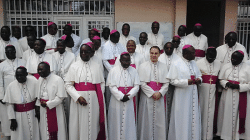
125	37
105	35
67	30
182	30
176	42
208	97
7	75
143	47
29	31
17	32
155	38
51	37
227	49
31	42
23	99
72	41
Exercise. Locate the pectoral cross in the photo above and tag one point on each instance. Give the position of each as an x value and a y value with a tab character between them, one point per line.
125	89
210	80
157	83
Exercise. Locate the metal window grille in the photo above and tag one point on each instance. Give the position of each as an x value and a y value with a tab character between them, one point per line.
39	12
243	25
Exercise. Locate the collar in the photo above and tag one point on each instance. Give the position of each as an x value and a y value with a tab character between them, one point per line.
11	61
40	55
52	35
47	78
153	63
185	60
63	53
113	44
232	47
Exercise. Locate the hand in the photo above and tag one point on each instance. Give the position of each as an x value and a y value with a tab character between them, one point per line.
156	96
13	125
37	112
43	104
82	101
125	98
197	81
2	102
190	81
229	84
235	86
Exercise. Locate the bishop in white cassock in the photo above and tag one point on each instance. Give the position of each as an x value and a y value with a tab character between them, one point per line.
143	48
123	81
208	97
185	123
225	51
168	58
155	38
50	95
29	31
152	109
105	35
51	37
110	51
125	37
73	41
198	41
5	41
31	43
233	117
85	84
7	75
21	98
39	56
182	33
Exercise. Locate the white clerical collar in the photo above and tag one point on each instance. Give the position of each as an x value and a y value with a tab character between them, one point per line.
11	61
185	60
40	55
153	63
47	78
113	44
51	35
63	53
232	47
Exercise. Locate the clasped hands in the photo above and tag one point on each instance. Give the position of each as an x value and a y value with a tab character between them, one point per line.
232	86
196	81
156	96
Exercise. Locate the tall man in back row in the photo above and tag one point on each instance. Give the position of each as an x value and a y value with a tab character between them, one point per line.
155	38
125	37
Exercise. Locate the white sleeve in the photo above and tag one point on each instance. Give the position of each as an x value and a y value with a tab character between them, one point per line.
55	102
179	82
107	65
147	89
11	112
1	85
244	87
164	89
133	91
71	90
118	94
223	83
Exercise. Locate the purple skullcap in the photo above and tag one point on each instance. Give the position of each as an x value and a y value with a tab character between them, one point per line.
211	47
186	46
184	26
240	52
96	30
64	37
124	53
113	31
96	37
177	36
197	24
9	45
89	44
21	67
50	23
156	22
69	24
46	62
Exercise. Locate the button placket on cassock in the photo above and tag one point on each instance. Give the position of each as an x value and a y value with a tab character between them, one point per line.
236	78
43	95
154	108
124	103
210	97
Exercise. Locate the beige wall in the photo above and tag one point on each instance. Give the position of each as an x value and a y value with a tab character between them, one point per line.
180	15
1	14
231	10
144	10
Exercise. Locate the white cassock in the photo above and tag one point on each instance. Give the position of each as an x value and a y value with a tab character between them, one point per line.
77	41
229	116
83	42
224	53
50	42
52	91
124	40
152	124
3	44
183	41
207	95
168	60
199	43
122	115
85	79
156	40
185	123
103	41
24	43
35	59
7	75
144	50
21	99
27	54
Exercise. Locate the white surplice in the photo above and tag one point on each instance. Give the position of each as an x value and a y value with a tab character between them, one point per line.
135	58
7	75
27	123
27	54
15	43
224	53
144	50
207	97
152	124
124	40
156	40
24	43
185	123
199	43
103	41
52	89
50	41
228	116
35	59
121	116
84	120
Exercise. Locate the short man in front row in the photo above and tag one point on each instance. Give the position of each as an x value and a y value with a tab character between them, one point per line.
152	109
50	95
233	116
123	82
209	68
85	84
185	114
21	98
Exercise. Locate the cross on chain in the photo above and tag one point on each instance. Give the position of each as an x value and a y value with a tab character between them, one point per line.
125	89
210	80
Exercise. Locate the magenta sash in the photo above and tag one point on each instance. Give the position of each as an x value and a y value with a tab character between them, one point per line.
199	53
133	65
112	61
95	87
25	107
192	78
36	75
122	89
51	121
156	87
209	79
51	49
242	108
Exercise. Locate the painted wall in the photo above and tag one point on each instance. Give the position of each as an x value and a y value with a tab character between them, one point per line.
180	15
231	10
1	13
